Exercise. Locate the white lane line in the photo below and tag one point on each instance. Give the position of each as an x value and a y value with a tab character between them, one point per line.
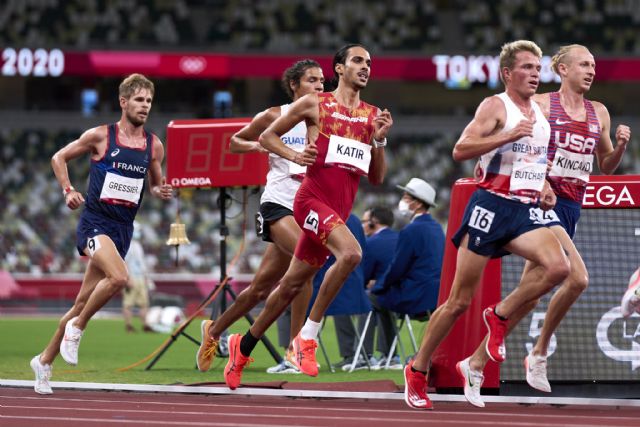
244	391
477	413
424	421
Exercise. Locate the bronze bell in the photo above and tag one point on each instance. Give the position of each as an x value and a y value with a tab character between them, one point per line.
178	234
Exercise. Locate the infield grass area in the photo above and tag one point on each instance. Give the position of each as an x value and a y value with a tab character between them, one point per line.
106	347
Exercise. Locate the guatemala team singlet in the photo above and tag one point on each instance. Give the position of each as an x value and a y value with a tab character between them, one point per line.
517	170
116	181
344	154
571	149
284	177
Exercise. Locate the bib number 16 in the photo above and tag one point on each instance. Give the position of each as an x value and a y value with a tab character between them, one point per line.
481	219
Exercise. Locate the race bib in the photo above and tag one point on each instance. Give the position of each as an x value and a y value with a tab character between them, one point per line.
567	164
121	188
481	219
543	217
349	154
527	176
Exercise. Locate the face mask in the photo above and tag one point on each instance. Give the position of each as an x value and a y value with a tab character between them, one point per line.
403	208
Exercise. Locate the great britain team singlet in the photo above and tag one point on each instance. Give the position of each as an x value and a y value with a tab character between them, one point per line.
517	170
571	149
117	180
344	154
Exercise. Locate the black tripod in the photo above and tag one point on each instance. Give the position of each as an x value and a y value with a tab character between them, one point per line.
226	290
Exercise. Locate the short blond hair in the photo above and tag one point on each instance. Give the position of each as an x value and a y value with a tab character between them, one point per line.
509	51
562	57
133	83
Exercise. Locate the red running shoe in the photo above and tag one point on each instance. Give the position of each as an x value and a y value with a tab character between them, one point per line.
415	389
304	355
497	330
237	362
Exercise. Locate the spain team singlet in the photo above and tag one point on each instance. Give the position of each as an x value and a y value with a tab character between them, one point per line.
116	181
571	149
344	154
284	177
517	170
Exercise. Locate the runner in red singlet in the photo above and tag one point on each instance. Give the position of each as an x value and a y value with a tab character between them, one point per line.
579	129
345	139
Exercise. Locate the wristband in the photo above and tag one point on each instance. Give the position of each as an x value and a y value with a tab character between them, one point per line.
379	144
67	190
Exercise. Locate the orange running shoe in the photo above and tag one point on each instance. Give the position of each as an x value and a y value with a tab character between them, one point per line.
237	362
208	347
304	352
415	389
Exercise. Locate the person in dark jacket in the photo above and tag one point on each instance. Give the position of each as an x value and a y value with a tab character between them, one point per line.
411	283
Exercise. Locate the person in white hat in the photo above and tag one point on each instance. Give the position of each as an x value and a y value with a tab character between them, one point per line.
412	281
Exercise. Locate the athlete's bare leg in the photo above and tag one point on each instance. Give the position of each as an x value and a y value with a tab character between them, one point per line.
115	279
295	279
541	247
92	276
570	290
469	268
275	262
480	357
344	246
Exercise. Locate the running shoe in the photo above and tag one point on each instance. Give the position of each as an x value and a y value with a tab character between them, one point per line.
236	363
70	343
304	352
208	345
415	389
497	330
631	299
472	382
284	367
43	375
536	368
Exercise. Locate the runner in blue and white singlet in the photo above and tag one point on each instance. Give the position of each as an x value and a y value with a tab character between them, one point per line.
122	155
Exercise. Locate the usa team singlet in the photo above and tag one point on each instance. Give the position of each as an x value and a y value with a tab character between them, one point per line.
571	149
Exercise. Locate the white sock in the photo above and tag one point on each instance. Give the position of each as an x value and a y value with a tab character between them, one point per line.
310	330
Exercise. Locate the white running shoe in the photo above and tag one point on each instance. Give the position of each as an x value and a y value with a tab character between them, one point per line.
284	367
472	382
43	374
70	343
631	299
536	367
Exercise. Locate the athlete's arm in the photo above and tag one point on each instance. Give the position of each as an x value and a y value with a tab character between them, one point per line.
378	167
608	157
305	108
481	134
92	141
157	182
246	139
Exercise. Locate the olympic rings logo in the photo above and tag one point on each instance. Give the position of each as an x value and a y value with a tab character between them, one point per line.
192	64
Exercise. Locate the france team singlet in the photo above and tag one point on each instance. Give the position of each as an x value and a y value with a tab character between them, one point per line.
117	180
571	149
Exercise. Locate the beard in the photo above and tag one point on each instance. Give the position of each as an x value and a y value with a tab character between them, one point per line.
134	120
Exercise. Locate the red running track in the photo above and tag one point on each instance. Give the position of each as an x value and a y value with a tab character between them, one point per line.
69	408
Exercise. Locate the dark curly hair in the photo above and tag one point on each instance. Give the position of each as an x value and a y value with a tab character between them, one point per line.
295	73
